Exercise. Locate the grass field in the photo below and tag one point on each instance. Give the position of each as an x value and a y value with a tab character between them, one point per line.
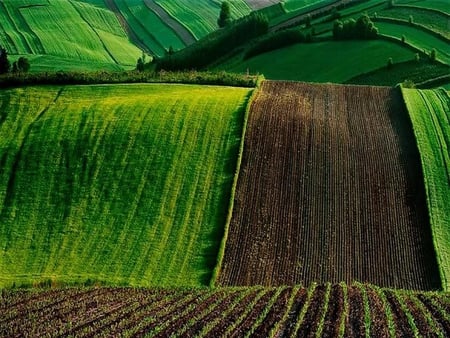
70	31
317	311
440	5
121	184
432	20
430	115
416	37
327	192
200	17
312	62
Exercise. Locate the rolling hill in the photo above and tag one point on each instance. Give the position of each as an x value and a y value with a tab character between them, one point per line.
99	181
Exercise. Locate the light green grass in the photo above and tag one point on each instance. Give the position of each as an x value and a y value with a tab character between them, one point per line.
440	5
75	31
329	61
122	184
200	16
416	37
432	20
430	115
294	5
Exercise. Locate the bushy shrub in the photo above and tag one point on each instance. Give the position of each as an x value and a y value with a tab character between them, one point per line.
363	28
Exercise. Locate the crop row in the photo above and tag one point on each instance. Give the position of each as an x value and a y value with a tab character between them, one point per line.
327	192
323	310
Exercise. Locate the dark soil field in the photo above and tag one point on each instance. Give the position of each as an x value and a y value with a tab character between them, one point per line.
330	189
322	310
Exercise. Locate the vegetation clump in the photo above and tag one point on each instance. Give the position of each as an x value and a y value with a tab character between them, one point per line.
362	28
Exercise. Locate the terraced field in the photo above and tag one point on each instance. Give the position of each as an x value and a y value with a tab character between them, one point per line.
430	116
320	310
328	192
119	184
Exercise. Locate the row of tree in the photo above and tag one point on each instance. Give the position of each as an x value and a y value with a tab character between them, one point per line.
21	65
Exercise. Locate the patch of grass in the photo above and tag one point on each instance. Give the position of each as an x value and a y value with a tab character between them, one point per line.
75	32
200	16
330	61
417	38
430	112
409	70
121	184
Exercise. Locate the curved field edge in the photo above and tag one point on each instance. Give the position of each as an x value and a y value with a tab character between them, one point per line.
233	189
429	111
116	184
332	310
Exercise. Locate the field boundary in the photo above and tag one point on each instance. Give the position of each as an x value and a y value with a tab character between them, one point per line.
223	242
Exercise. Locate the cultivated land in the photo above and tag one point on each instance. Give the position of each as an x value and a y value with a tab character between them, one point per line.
68	30
119	184
430	116
328	192
320	310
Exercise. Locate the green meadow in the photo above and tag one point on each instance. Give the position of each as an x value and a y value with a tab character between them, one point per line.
430	114
118	184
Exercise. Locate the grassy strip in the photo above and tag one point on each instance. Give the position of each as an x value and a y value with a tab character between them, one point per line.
430	124
345	313
216	271
305	308
324	311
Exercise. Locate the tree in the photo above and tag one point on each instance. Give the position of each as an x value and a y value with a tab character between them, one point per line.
225	15
433	54
4	62
23	65
140	65
390	63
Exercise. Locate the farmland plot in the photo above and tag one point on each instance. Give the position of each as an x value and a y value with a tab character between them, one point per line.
430	116
329	190
119	184
322	310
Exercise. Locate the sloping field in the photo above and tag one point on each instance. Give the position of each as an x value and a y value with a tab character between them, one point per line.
200	16
430	116
328	192
70	30
417	38
320	311
311	61
121	184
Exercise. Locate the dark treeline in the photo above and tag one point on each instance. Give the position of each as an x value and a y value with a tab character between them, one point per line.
363	28
216	44
67	78
277	40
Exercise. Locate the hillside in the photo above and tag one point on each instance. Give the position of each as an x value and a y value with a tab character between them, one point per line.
320	310
120	184
327	192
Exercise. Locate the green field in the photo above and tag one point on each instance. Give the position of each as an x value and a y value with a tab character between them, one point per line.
73	31
121	184
323	61
430	115
440	5
432	20
417	38
200	16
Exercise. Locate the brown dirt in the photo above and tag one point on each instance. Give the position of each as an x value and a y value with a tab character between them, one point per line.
329	191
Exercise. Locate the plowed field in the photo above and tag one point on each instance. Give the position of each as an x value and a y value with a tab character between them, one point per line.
321	311
330	189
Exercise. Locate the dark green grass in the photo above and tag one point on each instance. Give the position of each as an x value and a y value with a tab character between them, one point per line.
121	184
330	61
414	71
